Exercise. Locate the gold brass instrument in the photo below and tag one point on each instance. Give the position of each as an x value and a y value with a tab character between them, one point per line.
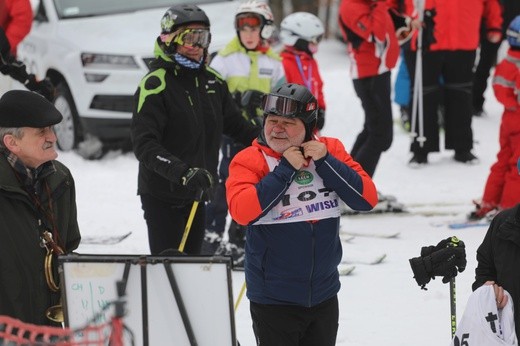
55	312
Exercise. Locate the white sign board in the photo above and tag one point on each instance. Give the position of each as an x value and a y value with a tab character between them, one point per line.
177	300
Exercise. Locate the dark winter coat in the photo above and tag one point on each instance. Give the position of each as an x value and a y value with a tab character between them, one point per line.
499	256
178	122
24	293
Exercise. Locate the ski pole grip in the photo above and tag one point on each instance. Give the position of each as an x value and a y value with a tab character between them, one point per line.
454	241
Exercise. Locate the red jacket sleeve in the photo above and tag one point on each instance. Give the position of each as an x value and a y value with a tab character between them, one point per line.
366	20
19	22
493	15
504	85
246	169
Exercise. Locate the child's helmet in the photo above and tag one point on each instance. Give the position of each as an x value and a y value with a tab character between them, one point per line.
264	13
513	32
301	25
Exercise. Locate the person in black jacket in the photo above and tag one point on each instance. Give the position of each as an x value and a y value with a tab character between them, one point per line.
498	259
181	111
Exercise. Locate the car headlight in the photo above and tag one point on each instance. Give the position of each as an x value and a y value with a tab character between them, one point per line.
108	61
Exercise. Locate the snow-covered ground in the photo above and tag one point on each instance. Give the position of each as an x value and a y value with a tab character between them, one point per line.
379	304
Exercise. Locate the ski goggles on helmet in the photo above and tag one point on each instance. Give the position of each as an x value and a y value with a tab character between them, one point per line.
283	106
248	19
189	38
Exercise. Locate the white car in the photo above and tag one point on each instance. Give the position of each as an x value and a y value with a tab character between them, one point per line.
96	51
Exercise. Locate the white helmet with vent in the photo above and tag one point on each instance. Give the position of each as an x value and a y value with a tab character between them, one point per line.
301	25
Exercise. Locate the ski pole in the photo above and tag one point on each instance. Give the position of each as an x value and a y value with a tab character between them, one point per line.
198	197
240	295
453	307
453	295
417	101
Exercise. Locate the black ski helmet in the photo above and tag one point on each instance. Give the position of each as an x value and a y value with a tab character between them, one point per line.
178	16
299	103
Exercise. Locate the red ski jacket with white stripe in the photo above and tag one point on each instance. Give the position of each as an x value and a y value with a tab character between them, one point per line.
370	33
301	68
503	183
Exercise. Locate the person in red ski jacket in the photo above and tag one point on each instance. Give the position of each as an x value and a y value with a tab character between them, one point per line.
369	30
502	190
450	38
16	20
301	33
286	188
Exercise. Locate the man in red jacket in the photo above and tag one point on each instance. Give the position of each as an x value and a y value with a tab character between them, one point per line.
450	37
373	50
286	188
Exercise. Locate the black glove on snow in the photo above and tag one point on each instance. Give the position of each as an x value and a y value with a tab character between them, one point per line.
197	179
445	262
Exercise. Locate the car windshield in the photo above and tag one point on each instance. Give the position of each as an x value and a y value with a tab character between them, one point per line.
91	8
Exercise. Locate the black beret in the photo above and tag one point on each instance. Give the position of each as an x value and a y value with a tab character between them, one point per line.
22	108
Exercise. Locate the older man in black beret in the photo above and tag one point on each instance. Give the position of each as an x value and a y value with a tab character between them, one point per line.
38	219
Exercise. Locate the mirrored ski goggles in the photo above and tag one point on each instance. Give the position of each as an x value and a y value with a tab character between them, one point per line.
248	19
189	38
283	106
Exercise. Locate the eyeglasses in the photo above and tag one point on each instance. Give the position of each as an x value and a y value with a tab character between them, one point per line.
283	106
189	38
248	19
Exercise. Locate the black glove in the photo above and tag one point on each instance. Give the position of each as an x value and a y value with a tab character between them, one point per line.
445	262
5	47
251	102
321	119
43	87
197	179
451	241
17	71
428	32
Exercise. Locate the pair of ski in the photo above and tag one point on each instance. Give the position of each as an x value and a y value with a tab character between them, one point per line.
104	239
347	266
451	224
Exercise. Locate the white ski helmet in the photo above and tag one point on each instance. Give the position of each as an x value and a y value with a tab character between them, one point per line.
263	11
301	25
